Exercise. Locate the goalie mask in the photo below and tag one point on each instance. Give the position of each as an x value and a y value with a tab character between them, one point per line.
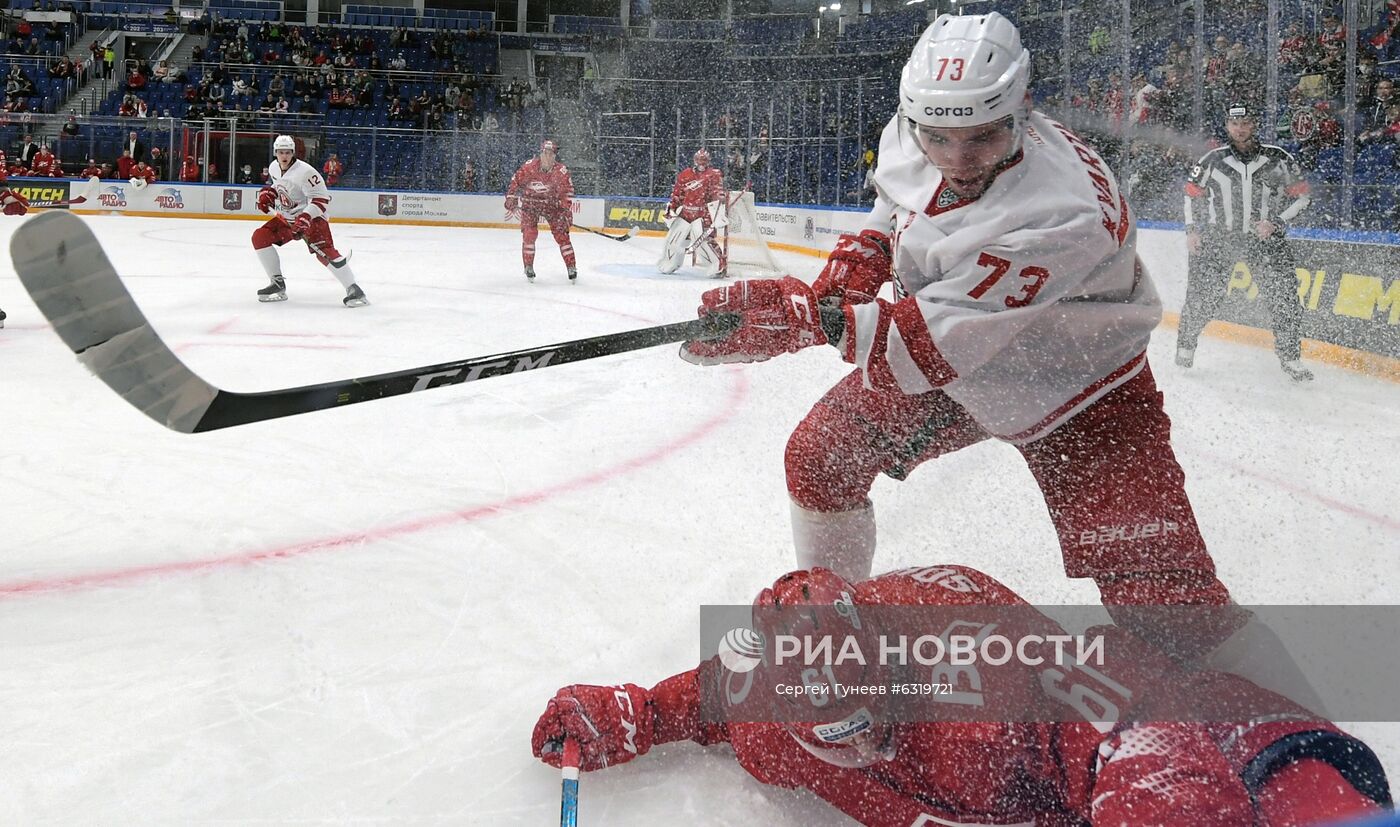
966	72
841	731
701	159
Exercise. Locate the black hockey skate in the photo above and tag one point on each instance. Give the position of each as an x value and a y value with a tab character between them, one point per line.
355	297
2	318
530	274
276	291
1185	357
573	275
1296	371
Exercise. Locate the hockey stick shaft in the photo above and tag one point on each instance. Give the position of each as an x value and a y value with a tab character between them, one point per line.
74	285
628	237
568	796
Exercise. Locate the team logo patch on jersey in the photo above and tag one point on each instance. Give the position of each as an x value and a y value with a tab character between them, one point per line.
388	204
944	199
233	200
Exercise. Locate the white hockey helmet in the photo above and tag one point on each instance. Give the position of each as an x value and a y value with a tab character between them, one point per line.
966	71
284	142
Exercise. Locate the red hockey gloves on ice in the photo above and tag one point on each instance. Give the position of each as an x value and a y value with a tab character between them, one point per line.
857	269
612	725
267	197
512	203
779	316
14	203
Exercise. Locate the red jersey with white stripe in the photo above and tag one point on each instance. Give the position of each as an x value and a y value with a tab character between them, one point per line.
1024	305
541	190
694	189
300	189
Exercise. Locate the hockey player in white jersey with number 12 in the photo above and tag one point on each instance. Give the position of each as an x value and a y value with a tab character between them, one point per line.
297	193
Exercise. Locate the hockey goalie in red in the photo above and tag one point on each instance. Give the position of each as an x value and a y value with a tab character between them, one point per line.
11	202
1020	313
695	212
300	199
542	188
1090	756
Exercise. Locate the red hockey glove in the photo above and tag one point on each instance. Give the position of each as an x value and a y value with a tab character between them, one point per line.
512	203
301	225
779	316
857	269
267	197
15	203
612	725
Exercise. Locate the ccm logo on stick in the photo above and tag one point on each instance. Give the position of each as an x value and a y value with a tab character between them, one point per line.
954	111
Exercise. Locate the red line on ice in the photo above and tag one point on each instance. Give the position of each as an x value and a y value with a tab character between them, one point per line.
738	391
1335	505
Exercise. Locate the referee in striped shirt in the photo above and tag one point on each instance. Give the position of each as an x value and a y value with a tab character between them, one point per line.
1239	200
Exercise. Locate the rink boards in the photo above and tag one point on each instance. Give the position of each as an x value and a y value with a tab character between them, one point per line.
1348	283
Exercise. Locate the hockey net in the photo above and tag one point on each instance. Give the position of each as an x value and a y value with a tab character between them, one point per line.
746	251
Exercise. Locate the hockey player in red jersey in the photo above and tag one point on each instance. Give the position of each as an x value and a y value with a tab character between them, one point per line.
1092	758
542	188
1021	314
696	211
42	163
11	202
298	196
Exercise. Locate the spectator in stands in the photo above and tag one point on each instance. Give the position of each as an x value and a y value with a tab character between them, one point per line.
1332	30
332	169
469	176
33	48
268	104
135	81
321	59
70	128
490	124
282	106
127	108
1380	103
365	96
397	110
243	88
308	106
61	68
1388	132
399	38
277	85
247	176
1296	50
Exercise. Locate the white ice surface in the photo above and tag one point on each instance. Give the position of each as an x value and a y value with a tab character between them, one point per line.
354	616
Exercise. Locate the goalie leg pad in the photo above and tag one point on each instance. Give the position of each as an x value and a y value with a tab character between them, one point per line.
677	240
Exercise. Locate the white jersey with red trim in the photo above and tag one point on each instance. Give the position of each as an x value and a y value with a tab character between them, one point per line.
300	189
1024	305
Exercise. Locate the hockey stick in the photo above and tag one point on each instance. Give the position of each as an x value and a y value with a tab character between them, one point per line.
628	236
568	797
89	193
71	280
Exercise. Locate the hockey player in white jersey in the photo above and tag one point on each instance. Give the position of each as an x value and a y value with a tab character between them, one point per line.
297	195
1020	313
